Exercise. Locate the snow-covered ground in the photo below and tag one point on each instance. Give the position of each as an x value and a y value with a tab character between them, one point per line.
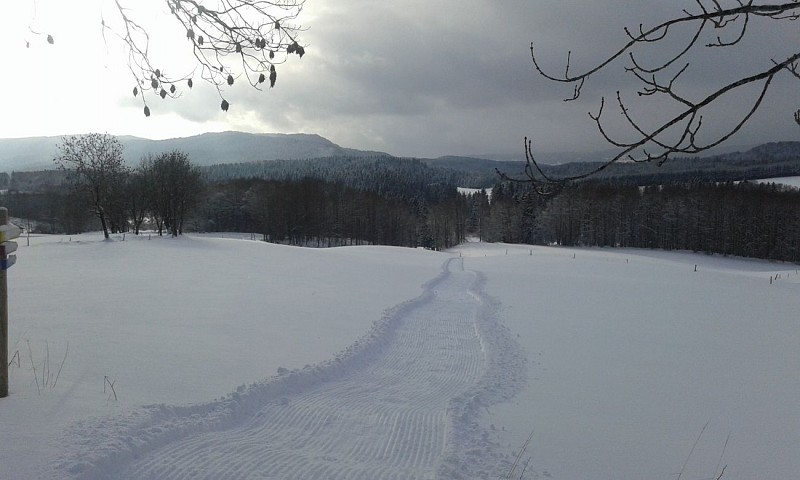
233	358
789	181
473	191
632	353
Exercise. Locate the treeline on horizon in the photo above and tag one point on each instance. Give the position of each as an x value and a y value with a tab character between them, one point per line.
401	207
770	160
315	212
760	220
326	202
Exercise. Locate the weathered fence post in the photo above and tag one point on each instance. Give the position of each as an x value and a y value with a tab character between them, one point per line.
7	232
3	321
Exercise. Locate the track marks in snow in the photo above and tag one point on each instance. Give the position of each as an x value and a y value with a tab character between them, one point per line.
401	403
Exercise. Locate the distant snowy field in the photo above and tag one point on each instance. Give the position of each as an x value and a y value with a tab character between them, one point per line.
616	360
473	191
790	181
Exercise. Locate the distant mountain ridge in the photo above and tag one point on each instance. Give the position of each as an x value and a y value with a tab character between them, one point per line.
218	150
37	153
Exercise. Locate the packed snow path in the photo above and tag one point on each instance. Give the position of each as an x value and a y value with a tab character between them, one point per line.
397	413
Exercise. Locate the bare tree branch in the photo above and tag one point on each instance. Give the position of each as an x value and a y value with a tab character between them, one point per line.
679	133
228	39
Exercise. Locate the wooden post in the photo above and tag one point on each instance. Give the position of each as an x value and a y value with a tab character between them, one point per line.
3	319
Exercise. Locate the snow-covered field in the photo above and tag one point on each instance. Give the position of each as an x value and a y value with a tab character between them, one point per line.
788	181
472	191
232	358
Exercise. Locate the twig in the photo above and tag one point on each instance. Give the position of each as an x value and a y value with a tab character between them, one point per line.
46	366
524	467
108	381
722	472
720	458
16	355
58	374
33	366
692	451
519	456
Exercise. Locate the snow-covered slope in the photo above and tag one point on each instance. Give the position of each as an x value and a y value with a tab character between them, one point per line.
232	358
633	352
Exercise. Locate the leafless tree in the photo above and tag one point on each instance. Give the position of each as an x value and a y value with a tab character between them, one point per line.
227	39
96	162
173	185
679	130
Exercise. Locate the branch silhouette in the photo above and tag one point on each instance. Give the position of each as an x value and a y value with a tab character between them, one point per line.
681	132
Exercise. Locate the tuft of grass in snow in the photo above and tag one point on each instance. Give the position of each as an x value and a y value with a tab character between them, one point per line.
49	377
15	357
518	461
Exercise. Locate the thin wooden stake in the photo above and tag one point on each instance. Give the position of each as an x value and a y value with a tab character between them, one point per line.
3	320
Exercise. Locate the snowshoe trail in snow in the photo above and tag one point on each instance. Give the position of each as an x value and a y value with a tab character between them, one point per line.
395	409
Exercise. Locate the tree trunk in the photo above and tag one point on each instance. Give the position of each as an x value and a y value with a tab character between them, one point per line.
101	214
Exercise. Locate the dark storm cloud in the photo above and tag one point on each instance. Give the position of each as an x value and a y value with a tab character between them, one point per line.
414	60
428	78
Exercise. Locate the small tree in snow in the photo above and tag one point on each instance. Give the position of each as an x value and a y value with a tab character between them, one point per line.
97	168
173	186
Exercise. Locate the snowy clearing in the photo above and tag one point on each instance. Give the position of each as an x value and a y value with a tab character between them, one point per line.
788	181
473	191
239	359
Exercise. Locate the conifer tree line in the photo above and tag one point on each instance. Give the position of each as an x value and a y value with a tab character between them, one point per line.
760	220
315	212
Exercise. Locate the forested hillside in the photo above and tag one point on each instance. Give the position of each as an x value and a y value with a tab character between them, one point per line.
770	160
37	153
389	176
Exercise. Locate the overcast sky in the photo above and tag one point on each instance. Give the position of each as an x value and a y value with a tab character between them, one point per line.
409	77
